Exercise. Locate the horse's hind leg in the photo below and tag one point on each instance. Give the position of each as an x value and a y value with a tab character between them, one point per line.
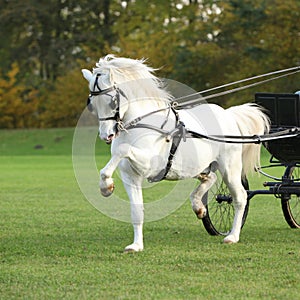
207	180
239	197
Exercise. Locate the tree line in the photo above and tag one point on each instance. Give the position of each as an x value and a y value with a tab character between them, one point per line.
201	43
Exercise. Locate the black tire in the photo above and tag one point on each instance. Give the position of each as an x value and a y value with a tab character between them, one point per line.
219	208
290	204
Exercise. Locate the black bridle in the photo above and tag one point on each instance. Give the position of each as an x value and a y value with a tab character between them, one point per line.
114	103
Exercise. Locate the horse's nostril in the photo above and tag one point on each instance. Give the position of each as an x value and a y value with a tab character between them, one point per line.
110	138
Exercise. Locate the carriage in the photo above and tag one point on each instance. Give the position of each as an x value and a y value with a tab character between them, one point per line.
284	113
155	137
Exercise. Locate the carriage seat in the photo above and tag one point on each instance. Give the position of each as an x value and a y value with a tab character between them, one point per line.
283	109
284	113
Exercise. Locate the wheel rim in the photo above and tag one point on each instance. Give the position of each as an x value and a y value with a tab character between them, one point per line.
221	215
220	210
294	208
294	202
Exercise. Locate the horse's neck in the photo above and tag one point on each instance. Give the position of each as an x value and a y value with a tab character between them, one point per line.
140	106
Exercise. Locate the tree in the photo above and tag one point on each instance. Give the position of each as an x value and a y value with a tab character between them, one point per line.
64	105
18	103
202	43
259	36
47	36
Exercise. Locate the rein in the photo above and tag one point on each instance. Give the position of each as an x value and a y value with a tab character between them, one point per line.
191	103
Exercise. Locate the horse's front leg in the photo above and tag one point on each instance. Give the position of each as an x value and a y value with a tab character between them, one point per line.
132	180
133	185
134	191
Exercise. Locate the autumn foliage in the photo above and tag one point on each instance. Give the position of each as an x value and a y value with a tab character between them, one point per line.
18	102
201	43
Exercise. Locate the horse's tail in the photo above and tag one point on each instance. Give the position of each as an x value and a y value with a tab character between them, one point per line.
251	120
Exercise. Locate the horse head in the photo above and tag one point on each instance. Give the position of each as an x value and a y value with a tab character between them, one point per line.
106	101
122	89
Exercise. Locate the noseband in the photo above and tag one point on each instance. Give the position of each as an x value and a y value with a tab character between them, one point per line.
115	99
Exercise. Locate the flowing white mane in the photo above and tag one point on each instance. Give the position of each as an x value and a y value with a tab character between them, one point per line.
134	77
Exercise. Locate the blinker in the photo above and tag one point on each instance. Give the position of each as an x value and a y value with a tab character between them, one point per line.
89	104
114	101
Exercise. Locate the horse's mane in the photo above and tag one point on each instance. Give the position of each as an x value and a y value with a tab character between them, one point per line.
136	75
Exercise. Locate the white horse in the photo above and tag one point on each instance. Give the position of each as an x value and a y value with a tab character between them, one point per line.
136	116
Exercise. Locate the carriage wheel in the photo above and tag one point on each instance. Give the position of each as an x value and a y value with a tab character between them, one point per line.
220	211
290	204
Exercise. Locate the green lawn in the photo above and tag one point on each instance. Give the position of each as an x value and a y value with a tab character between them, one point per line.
55	245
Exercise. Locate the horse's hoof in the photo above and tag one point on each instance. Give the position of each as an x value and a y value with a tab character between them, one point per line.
106	192
201	213
133	248
230	239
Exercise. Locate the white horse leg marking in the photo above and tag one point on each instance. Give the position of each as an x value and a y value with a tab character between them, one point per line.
138	244
207	180
239	197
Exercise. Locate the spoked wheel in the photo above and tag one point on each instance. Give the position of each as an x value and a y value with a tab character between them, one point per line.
290	203
219	208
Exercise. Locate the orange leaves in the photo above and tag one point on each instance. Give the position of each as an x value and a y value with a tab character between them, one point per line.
18	103
64	104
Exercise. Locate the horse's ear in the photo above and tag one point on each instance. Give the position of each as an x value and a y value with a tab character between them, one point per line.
87	74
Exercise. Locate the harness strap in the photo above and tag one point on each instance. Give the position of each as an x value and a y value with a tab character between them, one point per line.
254	139
134	123
176	135
179	134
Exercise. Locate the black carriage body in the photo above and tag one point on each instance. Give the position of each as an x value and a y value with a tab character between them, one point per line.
284	113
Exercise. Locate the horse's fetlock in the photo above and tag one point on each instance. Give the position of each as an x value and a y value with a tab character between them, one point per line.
200	212
103	176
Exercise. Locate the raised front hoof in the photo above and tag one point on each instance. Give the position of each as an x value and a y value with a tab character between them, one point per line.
106	192
200	213
133	248
230	239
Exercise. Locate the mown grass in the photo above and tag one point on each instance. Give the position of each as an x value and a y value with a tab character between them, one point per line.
55	245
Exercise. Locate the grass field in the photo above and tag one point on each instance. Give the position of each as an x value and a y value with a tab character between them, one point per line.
55	245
